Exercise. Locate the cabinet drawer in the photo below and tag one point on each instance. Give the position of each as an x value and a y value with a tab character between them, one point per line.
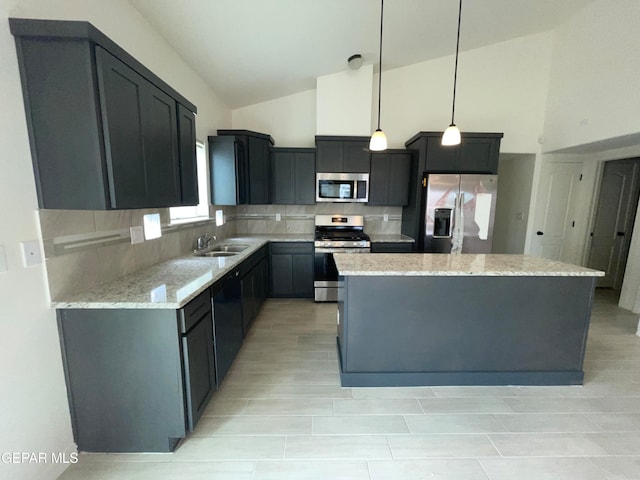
193	311
291	247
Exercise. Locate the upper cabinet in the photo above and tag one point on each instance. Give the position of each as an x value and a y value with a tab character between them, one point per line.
105	132
477	153
240	167
293	173
389	178
338	154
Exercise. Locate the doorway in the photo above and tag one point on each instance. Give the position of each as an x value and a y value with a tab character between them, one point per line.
614	218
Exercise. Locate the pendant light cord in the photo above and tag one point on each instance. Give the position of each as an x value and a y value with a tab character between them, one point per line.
455	70
380	63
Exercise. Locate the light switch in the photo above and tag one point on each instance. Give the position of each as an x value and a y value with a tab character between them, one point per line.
385	217
278	217
137	235
31	253
3	259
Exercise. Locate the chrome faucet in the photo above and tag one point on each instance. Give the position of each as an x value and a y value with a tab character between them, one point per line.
204	241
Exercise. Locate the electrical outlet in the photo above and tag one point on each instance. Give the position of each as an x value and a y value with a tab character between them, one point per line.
3	259
385	217
278	217
137	234
31	253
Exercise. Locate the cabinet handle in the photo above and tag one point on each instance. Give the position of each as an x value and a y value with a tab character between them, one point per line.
539	233
621	234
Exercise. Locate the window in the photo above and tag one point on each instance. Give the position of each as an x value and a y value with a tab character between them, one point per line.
200	211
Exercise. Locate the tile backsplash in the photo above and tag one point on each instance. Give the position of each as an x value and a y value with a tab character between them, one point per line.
85	248
262	219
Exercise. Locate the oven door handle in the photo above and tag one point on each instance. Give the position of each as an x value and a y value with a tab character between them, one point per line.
341	250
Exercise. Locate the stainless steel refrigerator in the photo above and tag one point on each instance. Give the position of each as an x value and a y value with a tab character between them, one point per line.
459	213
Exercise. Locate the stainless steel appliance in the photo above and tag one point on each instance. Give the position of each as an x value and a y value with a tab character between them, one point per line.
342	187
335	233
459	213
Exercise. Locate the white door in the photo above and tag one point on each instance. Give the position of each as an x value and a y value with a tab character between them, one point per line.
555	209
613	224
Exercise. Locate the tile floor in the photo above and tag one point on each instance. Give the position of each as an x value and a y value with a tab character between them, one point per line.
281	414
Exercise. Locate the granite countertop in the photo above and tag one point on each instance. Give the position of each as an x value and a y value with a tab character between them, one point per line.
173	283
390	237
439	264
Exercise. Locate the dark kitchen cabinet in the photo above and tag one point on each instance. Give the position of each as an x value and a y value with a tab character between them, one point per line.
477	153
254	285
196	327
105	131
188	163
391	247
227	322
389	178
342	154
291	268
240	167
293	173
138	379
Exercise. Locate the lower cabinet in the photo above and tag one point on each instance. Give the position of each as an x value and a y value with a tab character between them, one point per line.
291	269
137	379
254	278
196	328
391	247
226	295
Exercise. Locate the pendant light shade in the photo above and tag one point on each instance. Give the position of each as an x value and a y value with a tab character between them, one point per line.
378	140
451	135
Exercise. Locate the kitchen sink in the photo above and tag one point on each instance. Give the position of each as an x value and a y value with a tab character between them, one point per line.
215	254
223	250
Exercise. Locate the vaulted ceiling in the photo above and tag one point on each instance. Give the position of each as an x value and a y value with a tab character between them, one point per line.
251	51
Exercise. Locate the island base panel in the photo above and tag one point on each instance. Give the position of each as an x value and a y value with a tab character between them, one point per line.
421	330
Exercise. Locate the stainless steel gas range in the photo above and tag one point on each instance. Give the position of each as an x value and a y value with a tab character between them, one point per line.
335	233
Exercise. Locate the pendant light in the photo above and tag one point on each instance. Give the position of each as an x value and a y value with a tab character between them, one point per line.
451	135
378	140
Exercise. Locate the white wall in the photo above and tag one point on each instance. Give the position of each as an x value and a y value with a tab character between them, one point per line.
343	102
290	120
35	415
593	88
501	88
515	177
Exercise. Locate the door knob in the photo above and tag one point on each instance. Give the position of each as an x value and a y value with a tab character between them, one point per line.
539	233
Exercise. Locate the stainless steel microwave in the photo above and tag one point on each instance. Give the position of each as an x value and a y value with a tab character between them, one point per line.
342	187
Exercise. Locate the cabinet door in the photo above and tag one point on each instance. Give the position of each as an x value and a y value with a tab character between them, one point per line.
441	158
479	155
259	171
248	300
305	178
281	275
122	103
302	275
391	247
161	161
188	165
357	158
283	178
379	179
199	368
329	156
227	321
399	173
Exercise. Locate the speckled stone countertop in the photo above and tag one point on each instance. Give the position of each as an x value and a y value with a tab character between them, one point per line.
173	283
390	237
439	264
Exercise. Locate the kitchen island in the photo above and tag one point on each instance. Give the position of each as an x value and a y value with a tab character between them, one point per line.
466	319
